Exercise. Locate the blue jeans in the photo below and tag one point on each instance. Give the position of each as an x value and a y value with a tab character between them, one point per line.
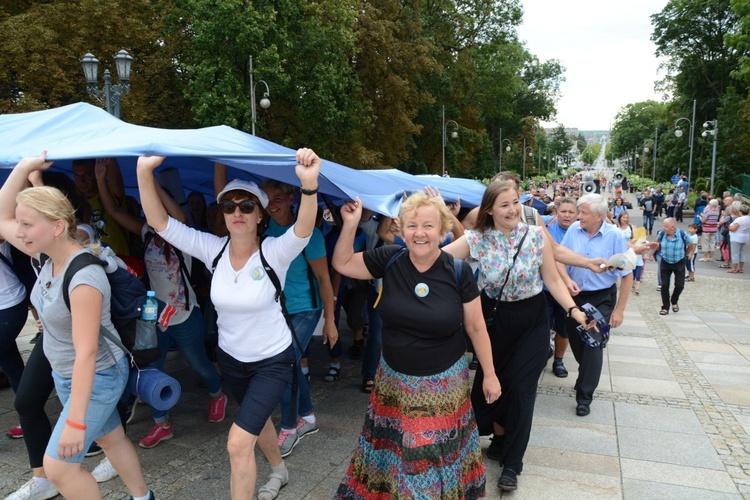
188	337
374	343
304	327
648	222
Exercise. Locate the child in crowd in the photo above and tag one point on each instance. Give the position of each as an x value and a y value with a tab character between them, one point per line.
690	258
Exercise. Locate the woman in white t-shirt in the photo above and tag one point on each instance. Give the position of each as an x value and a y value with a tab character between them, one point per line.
164	266
739	237
623	224
255	344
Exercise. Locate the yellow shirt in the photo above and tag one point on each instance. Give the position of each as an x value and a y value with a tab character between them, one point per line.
106	229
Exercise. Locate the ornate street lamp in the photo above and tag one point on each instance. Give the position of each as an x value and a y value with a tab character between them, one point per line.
111	94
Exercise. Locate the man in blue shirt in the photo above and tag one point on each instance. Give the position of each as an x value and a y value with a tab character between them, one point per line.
674	245
591	237
566	215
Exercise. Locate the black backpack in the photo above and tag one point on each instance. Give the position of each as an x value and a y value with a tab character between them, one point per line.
128	297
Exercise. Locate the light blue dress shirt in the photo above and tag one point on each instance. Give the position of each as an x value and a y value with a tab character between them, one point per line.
605	243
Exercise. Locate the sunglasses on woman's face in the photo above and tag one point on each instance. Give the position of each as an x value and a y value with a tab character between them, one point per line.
246	206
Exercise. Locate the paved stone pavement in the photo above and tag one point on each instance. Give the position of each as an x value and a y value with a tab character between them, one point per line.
671	417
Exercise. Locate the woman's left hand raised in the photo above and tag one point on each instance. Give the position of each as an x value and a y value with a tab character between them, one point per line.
308	168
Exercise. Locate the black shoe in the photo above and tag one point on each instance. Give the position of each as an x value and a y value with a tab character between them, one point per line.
582	410
495	450
508	480
357	348
559	369
36	337
94	450
474	363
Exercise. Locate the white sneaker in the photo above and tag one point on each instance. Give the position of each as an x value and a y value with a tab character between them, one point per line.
104	471
34	491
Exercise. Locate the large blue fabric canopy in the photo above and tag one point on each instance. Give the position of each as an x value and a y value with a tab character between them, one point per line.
81	131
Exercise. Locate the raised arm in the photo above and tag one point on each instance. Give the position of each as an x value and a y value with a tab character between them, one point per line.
384	230
123	218
220	177
173	208
344	260
156	214
307	170
16	182
114	179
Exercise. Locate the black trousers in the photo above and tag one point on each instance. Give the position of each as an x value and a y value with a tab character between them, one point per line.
665	274
589	360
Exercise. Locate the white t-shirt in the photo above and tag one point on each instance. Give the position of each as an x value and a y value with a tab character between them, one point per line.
13	291
166	279
251	324
742	234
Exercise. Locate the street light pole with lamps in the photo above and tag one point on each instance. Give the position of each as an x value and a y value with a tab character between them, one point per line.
531	155
643	160
111	94
265	102
454	134
678	133
507	148
714	131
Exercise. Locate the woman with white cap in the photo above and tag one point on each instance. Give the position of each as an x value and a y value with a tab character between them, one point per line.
255	344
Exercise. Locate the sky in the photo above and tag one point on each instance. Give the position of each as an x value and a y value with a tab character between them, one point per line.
606	49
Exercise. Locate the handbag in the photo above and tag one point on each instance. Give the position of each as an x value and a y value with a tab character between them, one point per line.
489	319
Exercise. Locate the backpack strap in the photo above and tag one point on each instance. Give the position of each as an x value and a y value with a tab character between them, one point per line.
218	256
76	264
529	214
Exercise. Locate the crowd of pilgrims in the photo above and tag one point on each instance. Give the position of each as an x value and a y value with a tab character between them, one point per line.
418	292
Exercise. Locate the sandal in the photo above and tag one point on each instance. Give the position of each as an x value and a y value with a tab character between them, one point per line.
724	266
270	490
332	375
664	312
732	271
675	308
508	480
367	385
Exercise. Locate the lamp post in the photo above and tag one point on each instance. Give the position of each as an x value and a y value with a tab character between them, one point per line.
454	134
678	133
645	152
656	147
111	94
712	128
265	102
507	148
531	155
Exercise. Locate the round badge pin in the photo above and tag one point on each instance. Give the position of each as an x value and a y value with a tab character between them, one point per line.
257	273
422	290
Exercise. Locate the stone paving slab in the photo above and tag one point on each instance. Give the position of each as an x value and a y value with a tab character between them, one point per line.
678	475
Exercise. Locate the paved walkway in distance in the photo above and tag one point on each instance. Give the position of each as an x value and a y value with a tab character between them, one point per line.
671	418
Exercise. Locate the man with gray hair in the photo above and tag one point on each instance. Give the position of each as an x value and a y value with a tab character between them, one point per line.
674	246
593	238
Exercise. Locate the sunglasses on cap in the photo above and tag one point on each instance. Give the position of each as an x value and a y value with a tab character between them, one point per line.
246	206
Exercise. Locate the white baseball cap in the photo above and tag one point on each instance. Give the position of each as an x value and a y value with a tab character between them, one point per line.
240	185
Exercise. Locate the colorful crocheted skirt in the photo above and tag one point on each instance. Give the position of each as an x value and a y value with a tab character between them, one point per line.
419	439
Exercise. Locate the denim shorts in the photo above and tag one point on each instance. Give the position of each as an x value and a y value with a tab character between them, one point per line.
101	413
257	386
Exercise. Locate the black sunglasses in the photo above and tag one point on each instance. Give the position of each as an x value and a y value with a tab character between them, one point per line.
246	206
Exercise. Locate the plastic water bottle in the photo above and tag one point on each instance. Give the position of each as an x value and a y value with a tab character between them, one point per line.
150	311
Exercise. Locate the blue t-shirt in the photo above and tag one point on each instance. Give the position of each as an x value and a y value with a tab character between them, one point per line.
299	297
